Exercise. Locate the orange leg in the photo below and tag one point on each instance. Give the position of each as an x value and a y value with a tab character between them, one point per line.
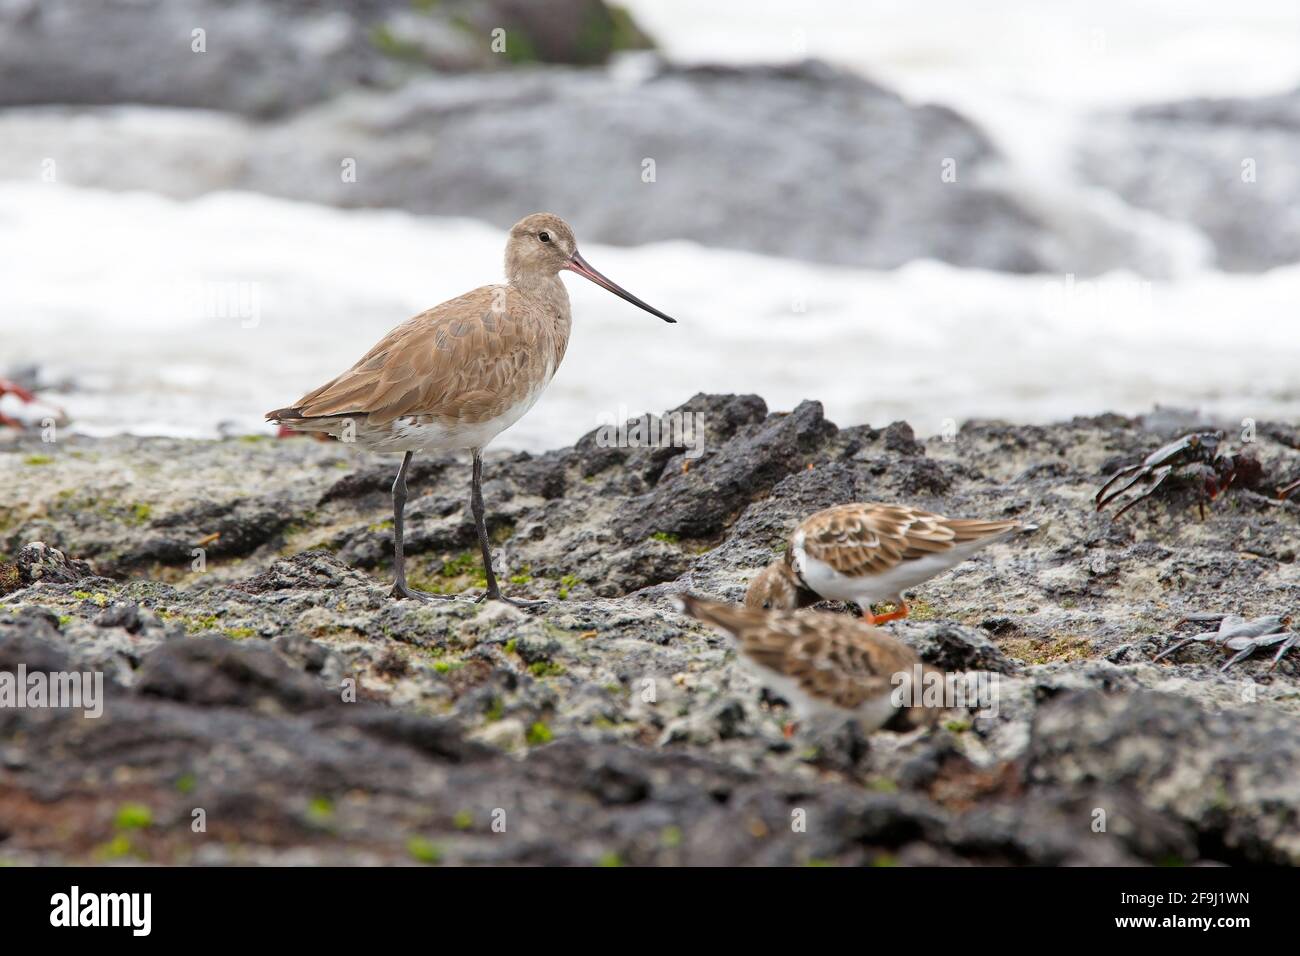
788	729
894	615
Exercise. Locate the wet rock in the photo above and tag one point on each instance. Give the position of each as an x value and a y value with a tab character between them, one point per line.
284	691
123	614
39	563
310	569
900	438
1223	775
1058	832
376	478
951	647
698	502
215	672
32	639
1225	166
488	144
889	206
251	60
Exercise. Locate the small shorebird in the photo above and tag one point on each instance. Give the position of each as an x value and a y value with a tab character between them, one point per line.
456	376
865	553
824	664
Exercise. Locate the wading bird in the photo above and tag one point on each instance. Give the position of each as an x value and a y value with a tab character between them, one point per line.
456	376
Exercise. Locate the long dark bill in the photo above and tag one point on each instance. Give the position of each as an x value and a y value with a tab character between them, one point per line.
583	268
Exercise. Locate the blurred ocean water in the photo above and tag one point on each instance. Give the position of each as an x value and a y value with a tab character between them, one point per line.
186	317
195	316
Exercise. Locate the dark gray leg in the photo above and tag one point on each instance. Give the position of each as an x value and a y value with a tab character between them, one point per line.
480	521
400	588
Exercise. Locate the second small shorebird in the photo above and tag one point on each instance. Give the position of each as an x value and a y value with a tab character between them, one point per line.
865	552
825	664
456	376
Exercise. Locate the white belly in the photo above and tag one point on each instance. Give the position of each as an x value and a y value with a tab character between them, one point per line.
409	434
872	715
874	588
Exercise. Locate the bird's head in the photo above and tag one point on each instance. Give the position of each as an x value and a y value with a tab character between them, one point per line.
542	245
776	588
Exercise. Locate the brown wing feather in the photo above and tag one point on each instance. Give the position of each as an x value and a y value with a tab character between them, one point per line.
833	657
868	538
466	360
842	667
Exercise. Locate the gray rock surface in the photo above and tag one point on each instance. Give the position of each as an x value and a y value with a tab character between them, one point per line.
803	161
1228	166
261	59
277	687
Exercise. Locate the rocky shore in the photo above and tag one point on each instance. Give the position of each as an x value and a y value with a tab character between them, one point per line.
234	595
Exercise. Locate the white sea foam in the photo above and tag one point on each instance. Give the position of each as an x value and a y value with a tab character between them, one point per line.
148	305
1075	56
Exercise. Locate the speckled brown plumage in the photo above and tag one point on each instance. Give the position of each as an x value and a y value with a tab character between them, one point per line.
869	538
837	661
865	551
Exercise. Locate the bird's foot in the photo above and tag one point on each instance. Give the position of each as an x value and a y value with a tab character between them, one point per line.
521	603
401	591
898	613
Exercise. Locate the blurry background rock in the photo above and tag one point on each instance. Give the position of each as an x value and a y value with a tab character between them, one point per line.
265	57
821	185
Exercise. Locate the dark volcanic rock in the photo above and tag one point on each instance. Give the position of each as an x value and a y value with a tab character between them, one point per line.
698	501
309	569
215	672
313	718
39	563
954	648
861	170
1228	776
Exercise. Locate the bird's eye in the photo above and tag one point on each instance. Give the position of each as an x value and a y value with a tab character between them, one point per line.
544	236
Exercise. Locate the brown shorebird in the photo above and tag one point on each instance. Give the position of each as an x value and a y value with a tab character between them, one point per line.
826	664
456	376
866	553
